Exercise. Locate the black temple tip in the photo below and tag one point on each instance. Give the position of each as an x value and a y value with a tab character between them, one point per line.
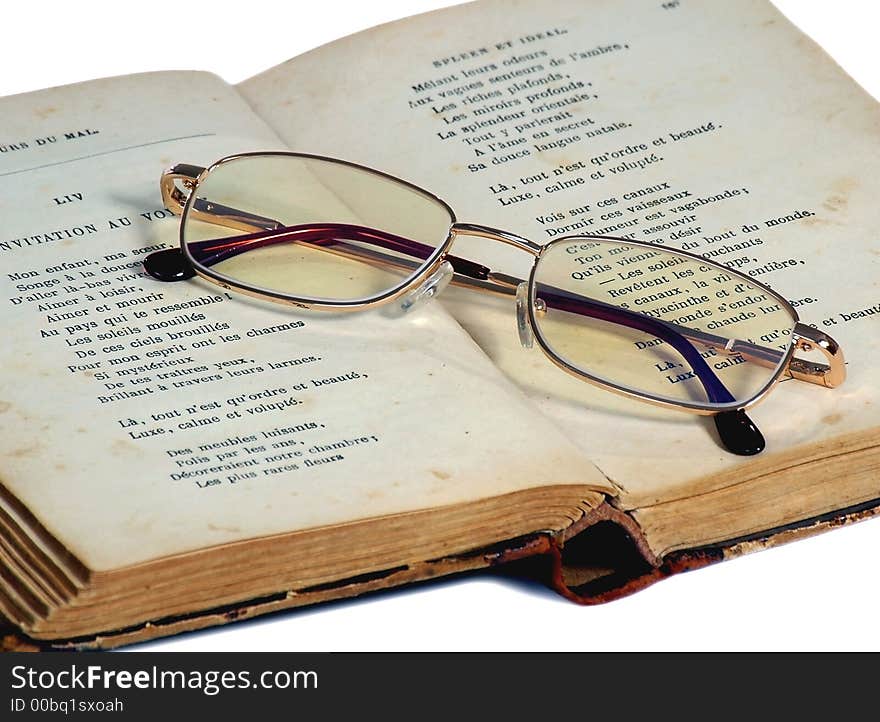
738	433
169	265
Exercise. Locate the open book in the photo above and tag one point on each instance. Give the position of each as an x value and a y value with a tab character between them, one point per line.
175	457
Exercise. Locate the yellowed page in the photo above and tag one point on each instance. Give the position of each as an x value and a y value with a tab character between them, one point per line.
715	127
142	419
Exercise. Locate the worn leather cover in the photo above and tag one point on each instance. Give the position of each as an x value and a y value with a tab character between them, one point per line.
601	557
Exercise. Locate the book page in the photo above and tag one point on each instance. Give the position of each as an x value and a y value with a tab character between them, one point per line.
142	419
712	127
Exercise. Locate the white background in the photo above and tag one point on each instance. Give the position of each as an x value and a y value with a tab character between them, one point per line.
820	593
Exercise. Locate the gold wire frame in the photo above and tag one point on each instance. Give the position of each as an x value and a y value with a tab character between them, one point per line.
803	337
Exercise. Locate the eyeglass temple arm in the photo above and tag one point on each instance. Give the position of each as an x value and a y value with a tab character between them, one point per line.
479	277
335	238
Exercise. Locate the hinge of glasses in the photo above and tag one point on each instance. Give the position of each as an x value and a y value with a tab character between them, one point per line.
831	374
173	195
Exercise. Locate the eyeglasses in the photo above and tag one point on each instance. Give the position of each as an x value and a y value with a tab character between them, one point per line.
649	322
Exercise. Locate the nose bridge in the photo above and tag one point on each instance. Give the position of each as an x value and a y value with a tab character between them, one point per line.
495	234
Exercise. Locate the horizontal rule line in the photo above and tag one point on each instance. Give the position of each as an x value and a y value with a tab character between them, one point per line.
107	152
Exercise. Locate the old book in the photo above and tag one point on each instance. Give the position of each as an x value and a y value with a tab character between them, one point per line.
176	457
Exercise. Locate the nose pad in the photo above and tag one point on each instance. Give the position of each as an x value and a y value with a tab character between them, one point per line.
523	324
429	288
